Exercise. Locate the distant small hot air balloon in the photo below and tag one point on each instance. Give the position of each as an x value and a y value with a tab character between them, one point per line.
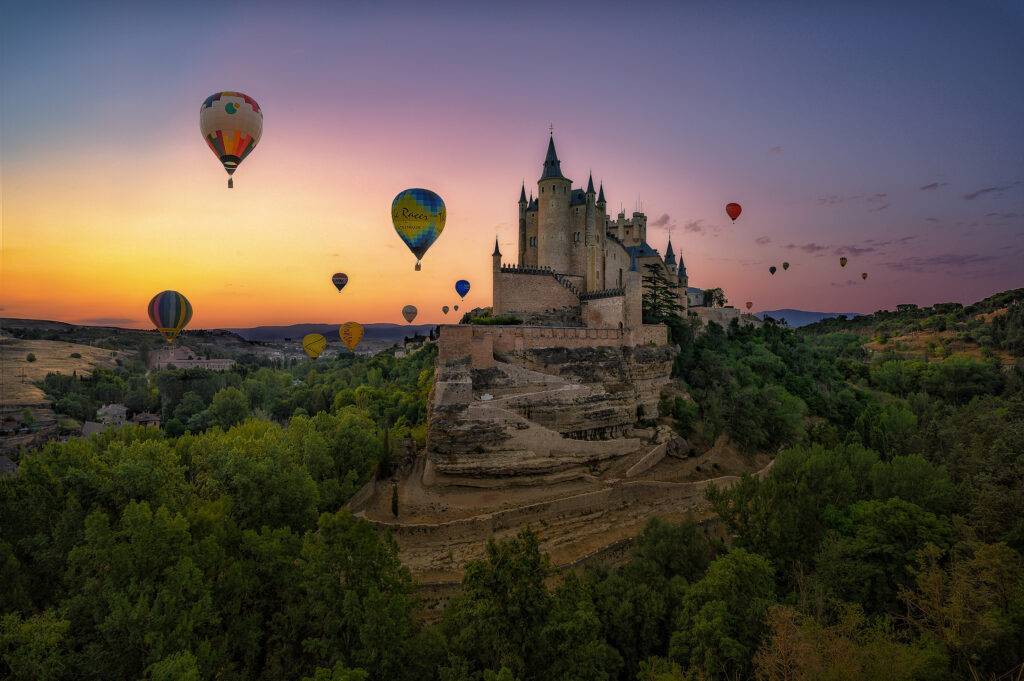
785	265
749	305
170	312
733	210
409	312
419	216
351	333
444	309
313	344
456	308
340	280
863	275
232	124
843	261
772	269
462	288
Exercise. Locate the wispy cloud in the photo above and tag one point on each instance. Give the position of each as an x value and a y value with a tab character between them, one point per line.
763	240
932	220
843	284
932	185
775	151
809	247
940	262
695	226
662	220
854	250
995	189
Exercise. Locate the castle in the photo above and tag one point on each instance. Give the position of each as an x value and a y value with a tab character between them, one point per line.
577	266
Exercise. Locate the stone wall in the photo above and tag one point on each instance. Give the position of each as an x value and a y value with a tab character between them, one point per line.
723	315
606	312
523	294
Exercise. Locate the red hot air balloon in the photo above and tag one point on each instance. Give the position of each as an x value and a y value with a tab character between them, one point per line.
749	305
733	210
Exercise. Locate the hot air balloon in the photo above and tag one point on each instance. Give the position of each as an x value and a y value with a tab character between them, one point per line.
231	123
444	309
733	210
170	312
409	312
772	269
462	288
351	333
863	275
313	344
785	265
340	279
749	305
418	216
456	308
843	261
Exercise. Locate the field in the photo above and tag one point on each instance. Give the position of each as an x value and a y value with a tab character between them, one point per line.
17	374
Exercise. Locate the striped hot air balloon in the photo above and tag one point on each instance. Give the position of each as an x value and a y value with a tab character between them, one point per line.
419	216
232	124
170	312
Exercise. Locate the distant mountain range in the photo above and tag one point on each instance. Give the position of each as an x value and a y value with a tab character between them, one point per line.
798	318
371	332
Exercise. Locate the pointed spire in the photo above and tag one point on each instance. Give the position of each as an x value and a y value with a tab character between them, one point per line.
522	193
497	253
670	257
590	184
552	166
600	196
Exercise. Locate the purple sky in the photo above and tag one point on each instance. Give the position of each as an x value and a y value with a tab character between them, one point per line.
891	135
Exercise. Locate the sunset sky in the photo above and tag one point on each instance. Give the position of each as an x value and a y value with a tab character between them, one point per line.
893	135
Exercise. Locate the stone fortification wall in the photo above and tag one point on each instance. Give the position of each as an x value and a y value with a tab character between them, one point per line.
524	294
723	315
605	312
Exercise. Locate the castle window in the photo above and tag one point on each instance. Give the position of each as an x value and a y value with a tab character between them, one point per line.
533	241
576	237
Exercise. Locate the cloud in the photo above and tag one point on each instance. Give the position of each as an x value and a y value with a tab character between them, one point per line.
775	150
106	321
879	209
1002	216
695	226
997	190
844	284
932	220
932	185
854	250
835	199
940	262
662	220
809	248
763	240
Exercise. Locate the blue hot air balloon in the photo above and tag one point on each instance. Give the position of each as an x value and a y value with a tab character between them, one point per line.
462	287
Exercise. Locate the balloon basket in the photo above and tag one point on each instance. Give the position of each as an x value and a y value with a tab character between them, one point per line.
418	266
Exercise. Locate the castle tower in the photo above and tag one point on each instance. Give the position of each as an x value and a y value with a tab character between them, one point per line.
522	225
553	233
592	242
495	272
670	257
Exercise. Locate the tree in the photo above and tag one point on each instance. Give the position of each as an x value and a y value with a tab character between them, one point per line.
715	297
229	407
30	357
721	618
660	301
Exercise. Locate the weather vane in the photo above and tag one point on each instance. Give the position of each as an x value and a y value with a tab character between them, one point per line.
551	129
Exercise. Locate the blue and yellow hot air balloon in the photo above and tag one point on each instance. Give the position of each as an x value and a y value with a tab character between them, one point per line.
462	288
170	312
418	216
232	124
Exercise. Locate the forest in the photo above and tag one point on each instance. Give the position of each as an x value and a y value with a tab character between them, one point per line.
885	543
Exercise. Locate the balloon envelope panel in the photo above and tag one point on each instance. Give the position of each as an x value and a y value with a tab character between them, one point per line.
313	344
419	216
170	312
232	124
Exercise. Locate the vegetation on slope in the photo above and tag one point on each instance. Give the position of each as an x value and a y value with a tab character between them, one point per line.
885	543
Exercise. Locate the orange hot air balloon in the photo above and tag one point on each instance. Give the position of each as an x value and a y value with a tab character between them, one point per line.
351	333
749	305
863	275
843	261
733	210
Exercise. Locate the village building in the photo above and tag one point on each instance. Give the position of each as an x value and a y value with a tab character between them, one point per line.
181	357
146	419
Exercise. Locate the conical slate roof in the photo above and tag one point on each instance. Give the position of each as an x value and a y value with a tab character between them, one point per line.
552	166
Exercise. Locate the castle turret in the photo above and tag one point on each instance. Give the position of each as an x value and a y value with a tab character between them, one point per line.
553	229
684	279
523	237
495	271
670	257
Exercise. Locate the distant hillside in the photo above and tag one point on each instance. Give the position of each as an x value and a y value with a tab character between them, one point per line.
372	332
798	318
